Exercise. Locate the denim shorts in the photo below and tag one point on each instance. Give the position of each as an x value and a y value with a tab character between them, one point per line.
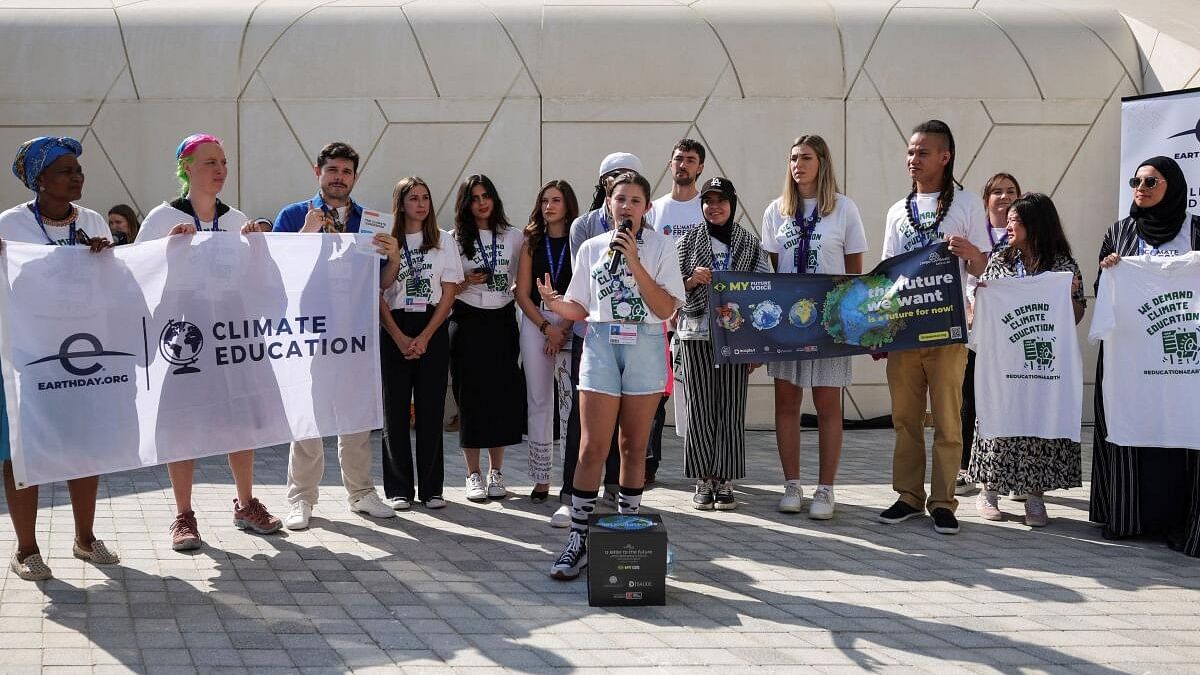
629	370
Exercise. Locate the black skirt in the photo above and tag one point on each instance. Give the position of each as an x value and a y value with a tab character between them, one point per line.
488	383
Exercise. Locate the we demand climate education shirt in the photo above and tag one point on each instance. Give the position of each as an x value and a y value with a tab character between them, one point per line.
418	284
499	254
19	224
674	218
1148	315
1028	366
966	217
617	297
835	236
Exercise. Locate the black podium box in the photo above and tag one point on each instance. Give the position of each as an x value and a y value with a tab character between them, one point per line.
627	560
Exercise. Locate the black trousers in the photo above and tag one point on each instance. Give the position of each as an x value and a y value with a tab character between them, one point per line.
612	466
422	381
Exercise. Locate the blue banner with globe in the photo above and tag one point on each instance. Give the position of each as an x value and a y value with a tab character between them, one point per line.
912	300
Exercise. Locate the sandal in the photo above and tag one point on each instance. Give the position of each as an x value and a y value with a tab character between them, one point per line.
32	568
99	555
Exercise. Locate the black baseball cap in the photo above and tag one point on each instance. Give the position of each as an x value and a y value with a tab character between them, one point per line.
719	184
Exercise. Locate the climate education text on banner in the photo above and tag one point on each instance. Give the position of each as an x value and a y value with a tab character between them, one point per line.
909	301
184	347
1165	124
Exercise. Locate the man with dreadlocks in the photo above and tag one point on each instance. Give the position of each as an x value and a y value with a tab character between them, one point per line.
936	209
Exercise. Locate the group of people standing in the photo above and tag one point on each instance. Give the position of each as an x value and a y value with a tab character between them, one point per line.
572	331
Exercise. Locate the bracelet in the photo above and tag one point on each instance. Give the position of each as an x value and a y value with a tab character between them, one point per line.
544	326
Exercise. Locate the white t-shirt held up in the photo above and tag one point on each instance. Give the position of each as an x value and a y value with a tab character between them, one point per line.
1148	315
1028	366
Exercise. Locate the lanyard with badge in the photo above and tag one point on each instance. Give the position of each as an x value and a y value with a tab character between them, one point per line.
491	293
334	217
73	235
804	231
555	269
624	329
216	220
925	238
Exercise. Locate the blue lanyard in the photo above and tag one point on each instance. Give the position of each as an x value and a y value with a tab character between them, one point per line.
407	254
604	219
216	219
491	265
804	238
555	270
992	238
71	232
1020	267
927	239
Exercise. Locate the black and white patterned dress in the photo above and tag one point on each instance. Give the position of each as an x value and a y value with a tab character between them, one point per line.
1025	464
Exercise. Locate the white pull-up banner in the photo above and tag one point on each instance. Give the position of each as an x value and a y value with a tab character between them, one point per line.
184	347
1166	124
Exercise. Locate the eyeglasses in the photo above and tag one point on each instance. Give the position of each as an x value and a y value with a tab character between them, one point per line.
1149	181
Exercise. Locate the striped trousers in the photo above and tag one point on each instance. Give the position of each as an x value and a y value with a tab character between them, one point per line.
1144	491
715	444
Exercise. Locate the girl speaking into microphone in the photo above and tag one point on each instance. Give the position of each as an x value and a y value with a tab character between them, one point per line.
625	286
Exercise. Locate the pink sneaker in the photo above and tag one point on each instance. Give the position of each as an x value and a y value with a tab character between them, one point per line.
254	516
185	534
987	503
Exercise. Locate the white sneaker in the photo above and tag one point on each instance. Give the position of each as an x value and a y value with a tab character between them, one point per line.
821	507
370	504
298	517
398	503
435	502
475	489
793	498
495	485
561	517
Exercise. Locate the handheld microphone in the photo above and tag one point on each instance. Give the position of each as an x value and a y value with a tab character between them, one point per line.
625	226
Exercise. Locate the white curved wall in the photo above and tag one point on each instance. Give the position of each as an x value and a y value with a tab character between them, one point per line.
526	91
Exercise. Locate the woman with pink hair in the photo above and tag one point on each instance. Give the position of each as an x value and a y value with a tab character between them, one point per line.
201	168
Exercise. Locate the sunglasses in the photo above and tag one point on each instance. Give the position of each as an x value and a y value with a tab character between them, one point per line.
1149	181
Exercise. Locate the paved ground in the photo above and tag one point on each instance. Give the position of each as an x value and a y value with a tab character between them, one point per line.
465	589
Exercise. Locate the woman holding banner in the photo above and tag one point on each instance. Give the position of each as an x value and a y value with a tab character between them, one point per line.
201	169
811	229
488	383
50	168
1035	243
1139	491
625	286
715	444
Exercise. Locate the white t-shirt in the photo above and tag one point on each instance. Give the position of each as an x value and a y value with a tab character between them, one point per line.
617	298
419	287
19	224
163	217
1028	366
966	218
674	218
497	292
720	251
837	235
1182	243
1148	315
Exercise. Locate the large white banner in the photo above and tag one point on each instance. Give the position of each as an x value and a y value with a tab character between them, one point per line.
1165	124
184	347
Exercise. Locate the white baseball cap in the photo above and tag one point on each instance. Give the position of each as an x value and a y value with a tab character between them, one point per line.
620	160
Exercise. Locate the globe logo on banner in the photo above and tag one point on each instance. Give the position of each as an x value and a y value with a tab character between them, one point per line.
180	344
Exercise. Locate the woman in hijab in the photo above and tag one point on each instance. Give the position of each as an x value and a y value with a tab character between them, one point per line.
715	445
50	168
1144	491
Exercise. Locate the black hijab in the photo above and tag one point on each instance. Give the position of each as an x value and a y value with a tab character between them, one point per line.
1161	223
721	231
